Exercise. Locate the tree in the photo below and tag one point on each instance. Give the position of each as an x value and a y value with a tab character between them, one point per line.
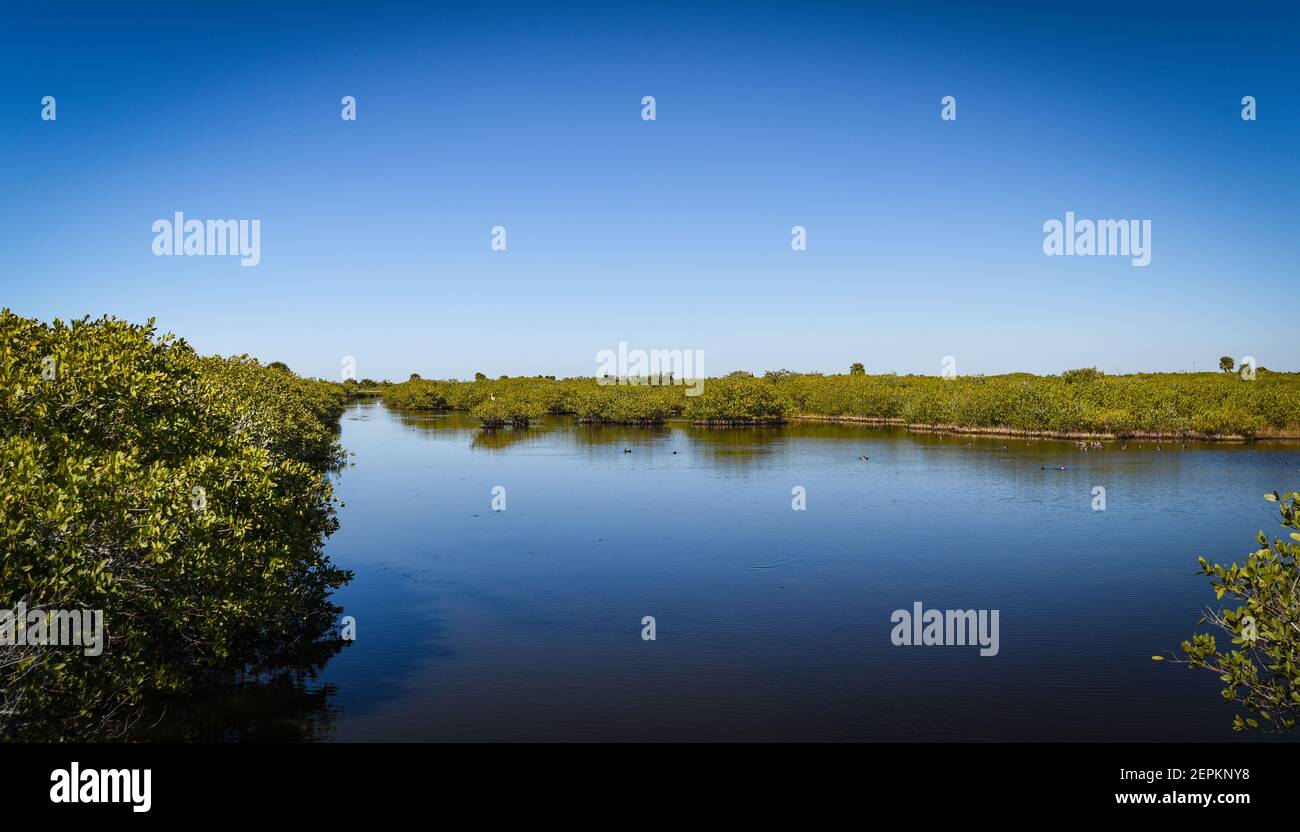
735	399
184	496
480	377
1226	363
1081	375
1262	670
279	365
856	369
414	377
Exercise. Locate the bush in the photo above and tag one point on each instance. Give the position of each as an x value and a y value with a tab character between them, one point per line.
512	407
1174	404
417	394
1079	376
183	496
627	404
737	400
1262	671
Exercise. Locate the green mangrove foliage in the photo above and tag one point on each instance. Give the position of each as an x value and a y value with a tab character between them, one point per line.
515	408
1077	401
1173	404
364	388
1261	672
183	496
625	404
739	399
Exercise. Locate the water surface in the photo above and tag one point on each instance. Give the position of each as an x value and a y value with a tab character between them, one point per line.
774	624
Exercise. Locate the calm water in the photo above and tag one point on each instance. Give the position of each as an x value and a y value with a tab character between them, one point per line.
773	624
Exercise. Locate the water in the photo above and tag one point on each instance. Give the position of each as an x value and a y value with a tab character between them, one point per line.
774	624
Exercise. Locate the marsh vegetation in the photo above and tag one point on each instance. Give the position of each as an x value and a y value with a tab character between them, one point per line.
1077	402
184	496
189	498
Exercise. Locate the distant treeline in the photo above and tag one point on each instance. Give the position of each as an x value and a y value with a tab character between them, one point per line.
363	388
1084	401
183	496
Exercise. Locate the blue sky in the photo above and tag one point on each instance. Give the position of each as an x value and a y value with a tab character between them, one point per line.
924	236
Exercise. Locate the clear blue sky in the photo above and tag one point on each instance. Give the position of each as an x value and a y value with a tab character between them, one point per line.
924	236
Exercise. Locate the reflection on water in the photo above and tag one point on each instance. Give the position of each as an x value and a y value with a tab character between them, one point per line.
285	704
772	623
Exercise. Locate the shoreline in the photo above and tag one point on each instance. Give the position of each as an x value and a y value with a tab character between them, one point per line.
914	427
1044	433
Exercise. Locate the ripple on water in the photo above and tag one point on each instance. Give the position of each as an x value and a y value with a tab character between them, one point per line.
772	562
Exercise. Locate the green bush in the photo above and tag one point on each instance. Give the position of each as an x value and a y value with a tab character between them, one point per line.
511	407
737	400
183	496
1081	400
1081	375
1261	672
627	404
417	394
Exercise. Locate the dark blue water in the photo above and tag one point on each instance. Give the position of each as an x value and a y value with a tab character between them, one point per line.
774	624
